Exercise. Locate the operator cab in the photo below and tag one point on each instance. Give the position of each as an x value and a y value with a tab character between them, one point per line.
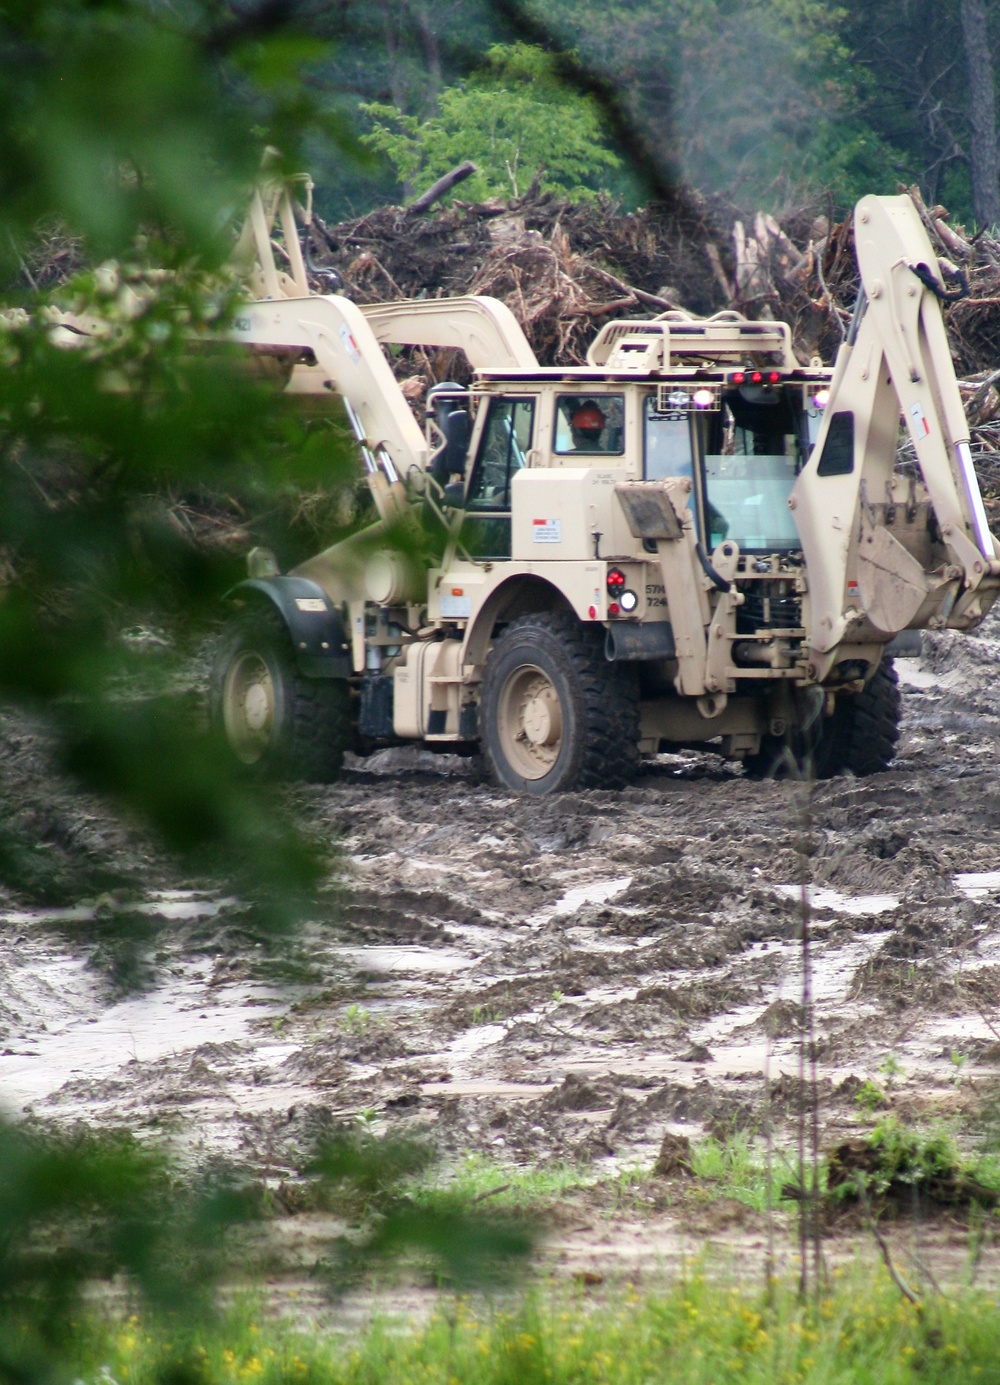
741	442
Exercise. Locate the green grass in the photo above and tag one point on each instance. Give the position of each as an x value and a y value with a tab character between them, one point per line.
699	1332
479	1179
356	1020
737	1168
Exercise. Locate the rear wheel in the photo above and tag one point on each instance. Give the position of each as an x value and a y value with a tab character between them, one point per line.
859	738
273	720
554	714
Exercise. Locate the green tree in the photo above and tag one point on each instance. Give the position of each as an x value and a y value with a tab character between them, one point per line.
512	118
747	97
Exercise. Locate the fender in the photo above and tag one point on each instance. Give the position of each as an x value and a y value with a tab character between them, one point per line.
316	627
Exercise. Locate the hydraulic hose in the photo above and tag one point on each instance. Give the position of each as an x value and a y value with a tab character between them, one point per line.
716	578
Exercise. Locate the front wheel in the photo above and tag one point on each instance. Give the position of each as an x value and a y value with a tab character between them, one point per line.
274	721
554	714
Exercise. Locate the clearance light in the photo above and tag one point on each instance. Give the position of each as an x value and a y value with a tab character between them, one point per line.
773	376
820	399
616	581
628	601
703	399
737	377
757	377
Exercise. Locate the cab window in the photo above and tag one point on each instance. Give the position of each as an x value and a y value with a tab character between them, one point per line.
503	451
667	447
590	423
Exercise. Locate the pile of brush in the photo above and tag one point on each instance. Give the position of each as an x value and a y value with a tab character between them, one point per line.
565	267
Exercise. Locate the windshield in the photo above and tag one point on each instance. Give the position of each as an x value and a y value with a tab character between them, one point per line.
749	473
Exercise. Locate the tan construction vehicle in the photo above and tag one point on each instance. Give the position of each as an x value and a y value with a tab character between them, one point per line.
692	540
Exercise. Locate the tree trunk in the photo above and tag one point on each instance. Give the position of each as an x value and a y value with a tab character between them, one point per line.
984	152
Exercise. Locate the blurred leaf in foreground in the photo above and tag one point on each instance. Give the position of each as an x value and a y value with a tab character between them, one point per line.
139	129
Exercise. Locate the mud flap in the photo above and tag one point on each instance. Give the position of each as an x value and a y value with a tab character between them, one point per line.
654	640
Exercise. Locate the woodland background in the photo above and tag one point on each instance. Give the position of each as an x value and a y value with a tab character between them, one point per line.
768	101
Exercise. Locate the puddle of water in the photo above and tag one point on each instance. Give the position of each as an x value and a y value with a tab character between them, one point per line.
177	1018
978	884
952	1027
472	1041
826	900
833	970
167	904
77	913
517	1091
406	958
195	907
597	892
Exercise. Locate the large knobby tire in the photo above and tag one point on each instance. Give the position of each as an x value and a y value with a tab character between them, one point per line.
275	722
553	713
859	738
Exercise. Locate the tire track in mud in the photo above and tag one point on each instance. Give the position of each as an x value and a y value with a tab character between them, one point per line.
565	979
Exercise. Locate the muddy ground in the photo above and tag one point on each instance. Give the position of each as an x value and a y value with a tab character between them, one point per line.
539	983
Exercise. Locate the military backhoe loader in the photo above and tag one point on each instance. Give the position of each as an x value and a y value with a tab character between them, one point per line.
692	539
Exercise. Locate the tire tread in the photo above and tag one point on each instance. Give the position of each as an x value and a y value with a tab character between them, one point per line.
609	707
317	728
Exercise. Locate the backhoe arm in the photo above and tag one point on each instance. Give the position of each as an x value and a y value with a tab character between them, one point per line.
895	361
341	356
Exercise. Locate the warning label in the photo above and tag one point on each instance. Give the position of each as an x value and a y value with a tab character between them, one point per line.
546	530
923	428
350	345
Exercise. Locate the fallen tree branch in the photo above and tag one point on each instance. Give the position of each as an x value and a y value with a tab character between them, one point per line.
883	1244
441	188
652	300
620	305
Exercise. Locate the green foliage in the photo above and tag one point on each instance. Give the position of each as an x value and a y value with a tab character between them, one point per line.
737	1168
910	1155
751	98
512	118
869	1097
912	92
701	1330
139	129
78	1208
375	1181
477	1179
356	1019
119	116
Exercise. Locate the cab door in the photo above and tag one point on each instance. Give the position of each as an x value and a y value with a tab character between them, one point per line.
503	450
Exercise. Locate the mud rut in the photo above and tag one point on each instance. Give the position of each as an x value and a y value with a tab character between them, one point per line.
539	982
